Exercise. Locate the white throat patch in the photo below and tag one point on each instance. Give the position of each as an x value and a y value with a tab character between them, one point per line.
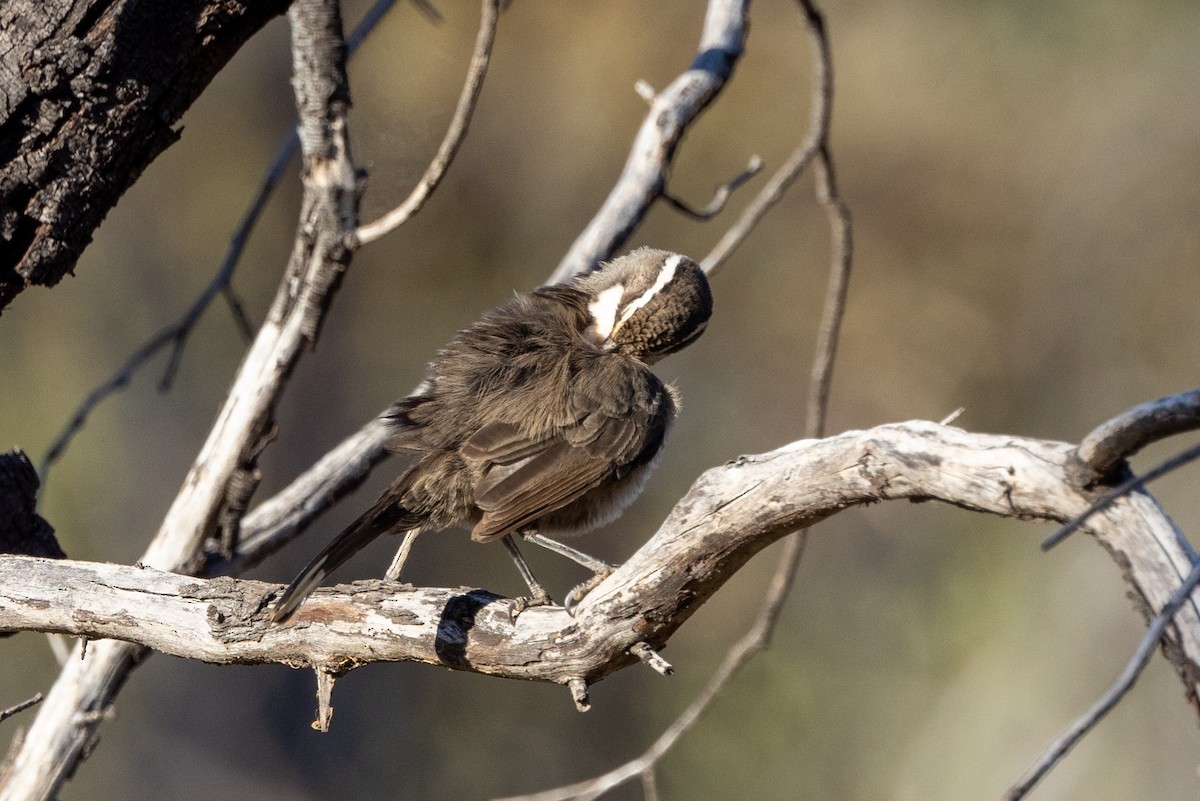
604	308
604	311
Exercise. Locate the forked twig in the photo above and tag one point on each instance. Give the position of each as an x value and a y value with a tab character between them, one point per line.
720	196
802	156
672	112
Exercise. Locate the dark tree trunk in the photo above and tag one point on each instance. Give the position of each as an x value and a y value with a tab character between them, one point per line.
90	91
22	529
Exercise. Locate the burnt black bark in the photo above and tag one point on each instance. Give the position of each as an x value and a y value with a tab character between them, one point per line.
22	529
90	92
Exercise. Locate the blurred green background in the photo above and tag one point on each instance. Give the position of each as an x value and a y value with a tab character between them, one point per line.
1023	182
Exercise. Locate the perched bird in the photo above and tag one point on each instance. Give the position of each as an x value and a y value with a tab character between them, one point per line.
541	417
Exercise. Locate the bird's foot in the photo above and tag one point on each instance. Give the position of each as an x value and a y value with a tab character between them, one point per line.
576	595
537	597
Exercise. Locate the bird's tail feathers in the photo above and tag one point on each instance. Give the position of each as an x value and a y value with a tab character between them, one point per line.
383	517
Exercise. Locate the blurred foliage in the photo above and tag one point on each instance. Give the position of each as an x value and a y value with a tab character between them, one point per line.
1022	178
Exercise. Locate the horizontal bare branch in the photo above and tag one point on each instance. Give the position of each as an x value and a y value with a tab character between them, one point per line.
730	513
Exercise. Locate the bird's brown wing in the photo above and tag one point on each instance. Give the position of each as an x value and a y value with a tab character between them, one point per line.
525	477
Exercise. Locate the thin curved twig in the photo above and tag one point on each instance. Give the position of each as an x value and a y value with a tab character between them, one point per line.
720	196
839	284
21	707
816	411
802	156
455	134
1058	749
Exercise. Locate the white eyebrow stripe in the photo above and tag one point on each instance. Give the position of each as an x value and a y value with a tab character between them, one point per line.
604	311
664	276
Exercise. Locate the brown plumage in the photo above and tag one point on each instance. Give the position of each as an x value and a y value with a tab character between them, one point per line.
541	417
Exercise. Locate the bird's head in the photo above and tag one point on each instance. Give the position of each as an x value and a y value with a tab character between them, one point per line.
647	304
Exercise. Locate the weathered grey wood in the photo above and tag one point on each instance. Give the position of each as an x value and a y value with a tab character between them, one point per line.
276	521
730	513
671	113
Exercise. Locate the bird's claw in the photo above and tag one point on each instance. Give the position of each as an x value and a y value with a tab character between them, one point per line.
576	595
518	605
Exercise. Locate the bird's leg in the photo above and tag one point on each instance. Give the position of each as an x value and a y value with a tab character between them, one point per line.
393	571
537	593
599	567
590	562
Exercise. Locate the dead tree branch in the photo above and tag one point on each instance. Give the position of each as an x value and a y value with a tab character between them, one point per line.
275	522
1102	451
730	513
671	113
65	725
814	141
1133	482
176	334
